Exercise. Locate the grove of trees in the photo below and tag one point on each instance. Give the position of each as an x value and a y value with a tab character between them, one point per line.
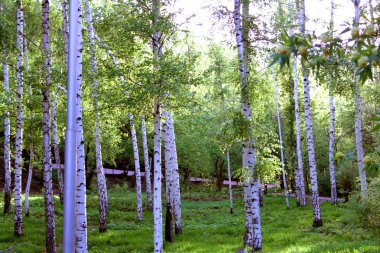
121	84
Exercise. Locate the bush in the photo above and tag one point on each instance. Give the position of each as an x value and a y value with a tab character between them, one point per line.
369	209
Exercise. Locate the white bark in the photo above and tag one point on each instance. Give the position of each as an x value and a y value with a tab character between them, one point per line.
31	147
168	181
311	155
147	166
358	120
137	169
281	144
48	184
29	180
253	238
102	187
18	230
57	155
334	196
80	207
65	29
157	208
157	202
300	181
359	141
309	133
176	184
7	137
298	172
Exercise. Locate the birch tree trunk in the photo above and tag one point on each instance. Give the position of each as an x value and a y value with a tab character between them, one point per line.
7	138
65	29
168	181
80	207
281	144
18	226
334	199
219	76
137	169
299	176
175	177
311	155
147	166
157	206
358	119
253	238
31	146
57	155
48	185
102	187
309	133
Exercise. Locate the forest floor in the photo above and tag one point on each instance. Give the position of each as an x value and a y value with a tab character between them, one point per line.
207	226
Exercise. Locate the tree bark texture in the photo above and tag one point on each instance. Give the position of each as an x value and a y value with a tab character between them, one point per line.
358	119
18	225
7	138
168	182
80	196
311	155
176	182
157	185
57	155
147	166
48	182
102	186
137	169
253	238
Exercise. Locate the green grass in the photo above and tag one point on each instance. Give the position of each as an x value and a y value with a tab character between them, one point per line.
207	227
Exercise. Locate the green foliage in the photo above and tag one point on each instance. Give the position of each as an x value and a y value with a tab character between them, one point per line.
368	209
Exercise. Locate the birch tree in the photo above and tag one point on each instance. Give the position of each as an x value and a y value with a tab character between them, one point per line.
281	144
252	238
309	129
147	165
18	225
57	155
7	137
358	116
175	177
168	180
157	208
102	187
334	196
299	176
31	146
80	207
48	184
137	169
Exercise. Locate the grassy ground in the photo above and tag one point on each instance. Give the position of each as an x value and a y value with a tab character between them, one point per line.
207	227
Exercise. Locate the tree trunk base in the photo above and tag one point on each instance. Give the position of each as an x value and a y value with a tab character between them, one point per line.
231	211
317	223
169	225
103	228
178	230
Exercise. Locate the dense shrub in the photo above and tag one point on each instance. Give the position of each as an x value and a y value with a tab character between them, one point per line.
368	209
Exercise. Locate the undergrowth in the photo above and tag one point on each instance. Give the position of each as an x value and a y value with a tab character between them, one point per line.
207	226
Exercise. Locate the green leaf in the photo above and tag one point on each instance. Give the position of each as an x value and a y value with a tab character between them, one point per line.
376	128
